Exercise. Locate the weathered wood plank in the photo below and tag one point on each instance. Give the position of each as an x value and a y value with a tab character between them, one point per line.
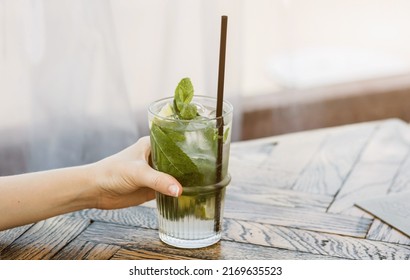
133	216
45	238
282	197
401	182
285	216
383	232
140	240
336	158
377	167
313	242
272	162
8	236
293	217
141	254
84	250
297	218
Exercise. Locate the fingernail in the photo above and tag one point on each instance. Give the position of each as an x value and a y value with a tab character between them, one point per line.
173	190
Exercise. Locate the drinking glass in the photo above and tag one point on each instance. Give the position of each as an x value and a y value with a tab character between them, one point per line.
196	153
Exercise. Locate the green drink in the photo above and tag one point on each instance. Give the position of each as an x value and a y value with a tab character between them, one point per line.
184	141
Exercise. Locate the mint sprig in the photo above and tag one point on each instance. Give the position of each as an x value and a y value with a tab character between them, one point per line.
184	93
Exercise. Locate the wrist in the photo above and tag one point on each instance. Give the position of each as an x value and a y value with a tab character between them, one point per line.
80	190
100	178
89	193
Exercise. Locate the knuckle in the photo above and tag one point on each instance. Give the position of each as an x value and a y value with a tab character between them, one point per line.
157	181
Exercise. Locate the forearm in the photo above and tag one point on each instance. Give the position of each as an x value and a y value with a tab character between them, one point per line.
121	180
36	196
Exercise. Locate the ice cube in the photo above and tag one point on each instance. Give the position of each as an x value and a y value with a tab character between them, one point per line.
200	108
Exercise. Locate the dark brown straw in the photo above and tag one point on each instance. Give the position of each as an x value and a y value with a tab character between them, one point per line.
219	105
219	118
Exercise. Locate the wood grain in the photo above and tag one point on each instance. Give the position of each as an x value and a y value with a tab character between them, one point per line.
281	197
8	236
293	217
332	163
45	238
141	254
377	167
313	242
84	250
272	162
133	216
297	218
401	182
383	232
139	240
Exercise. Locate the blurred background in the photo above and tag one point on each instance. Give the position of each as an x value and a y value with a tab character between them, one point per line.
77	76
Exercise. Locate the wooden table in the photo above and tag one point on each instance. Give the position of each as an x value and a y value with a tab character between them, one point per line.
291	197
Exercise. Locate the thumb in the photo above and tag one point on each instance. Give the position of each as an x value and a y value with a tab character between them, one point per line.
160	181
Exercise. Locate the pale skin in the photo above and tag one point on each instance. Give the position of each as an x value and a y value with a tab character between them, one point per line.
121	180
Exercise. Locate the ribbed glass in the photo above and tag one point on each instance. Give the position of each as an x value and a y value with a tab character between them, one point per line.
193	220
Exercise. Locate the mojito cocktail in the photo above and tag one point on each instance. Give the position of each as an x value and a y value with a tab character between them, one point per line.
185	136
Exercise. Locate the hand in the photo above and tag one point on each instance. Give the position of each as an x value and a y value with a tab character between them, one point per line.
126	178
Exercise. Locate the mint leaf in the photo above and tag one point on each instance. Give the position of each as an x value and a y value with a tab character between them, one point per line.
188	111
169	158
174	130
184	93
